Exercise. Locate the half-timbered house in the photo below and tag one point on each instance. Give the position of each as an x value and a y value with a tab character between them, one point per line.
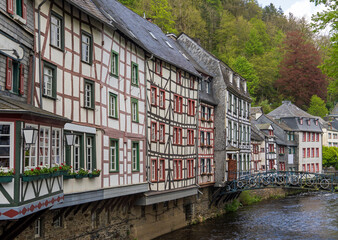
21	195
93	74
232	125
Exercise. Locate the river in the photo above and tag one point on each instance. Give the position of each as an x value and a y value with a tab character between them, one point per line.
304	216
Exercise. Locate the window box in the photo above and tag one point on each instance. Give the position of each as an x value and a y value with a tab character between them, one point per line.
91	175
281	154
81	176
203	119
209	146
59	173
6	179
68	176
31	178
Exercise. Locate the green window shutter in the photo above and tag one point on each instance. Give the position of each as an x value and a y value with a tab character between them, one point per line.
134	68
114	60
94	152
91	50
54	83
82	151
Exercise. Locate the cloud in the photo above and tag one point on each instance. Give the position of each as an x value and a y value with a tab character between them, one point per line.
301	9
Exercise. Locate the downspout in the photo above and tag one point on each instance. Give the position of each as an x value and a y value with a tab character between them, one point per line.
146	115
39	46
33	79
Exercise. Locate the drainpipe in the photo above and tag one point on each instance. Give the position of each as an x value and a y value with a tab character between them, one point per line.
197	134
33	79
146	115
39	46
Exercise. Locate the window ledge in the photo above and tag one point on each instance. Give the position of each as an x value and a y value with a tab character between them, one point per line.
46	96
115	118
57	48
114	75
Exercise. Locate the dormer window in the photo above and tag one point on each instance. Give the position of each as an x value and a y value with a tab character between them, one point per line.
316	122
18	9
270	132
207	86
158	67
230	77
301	121
179	77
309	122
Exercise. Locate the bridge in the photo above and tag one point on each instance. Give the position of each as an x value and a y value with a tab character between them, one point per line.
272	179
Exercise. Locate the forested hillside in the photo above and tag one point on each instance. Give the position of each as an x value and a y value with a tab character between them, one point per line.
279	55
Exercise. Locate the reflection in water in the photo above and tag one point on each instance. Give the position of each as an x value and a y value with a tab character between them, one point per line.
305	216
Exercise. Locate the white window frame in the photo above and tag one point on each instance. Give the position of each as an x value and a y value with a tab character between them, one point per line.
88	95
11	140
48	81
85	47
57	158
114	147
55	31
44	158
33	149
89	152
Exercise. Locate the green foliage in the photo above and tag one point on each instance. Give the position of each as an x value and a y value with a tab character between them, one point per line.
161	14
317	107
265	106
242	66
330	157
233	206
246	198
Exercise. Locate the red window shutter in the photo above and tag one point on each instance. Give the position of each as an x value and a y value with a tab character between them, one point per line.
9	74
10	6
22	79
24	10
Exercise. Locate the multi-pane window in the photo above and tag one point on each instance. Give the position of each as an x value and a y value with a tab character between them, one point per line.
179	77
134	110
134	74
86	47
44	145
317	137
190	163
112	105
153	95
207	86
178	104
162	99
308	153
154	170
49	80
191	107
209	114
317	152
203	112
31	153
158	67
202	166
208	139
114	155
313	137
5	145
56	146
77	153
135	156
281	150
270	132
162	133
208	165
190	137
304	152
89	96
235	105
177	169
192	82
17	7
235	132
304	136
308	137
89	152
202	138
271	148
114	65
161	170
177	136
56	30
153	131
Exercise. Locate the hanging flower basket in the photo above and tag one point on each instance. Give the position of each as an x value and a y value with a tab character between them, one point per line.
6	179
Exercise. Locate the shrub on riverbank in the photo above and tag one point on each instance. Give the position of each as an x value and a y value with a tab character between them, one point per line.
233	206
246	198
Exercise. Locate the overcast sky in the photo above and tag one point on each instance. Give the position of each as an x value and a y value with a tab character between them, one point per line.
299	8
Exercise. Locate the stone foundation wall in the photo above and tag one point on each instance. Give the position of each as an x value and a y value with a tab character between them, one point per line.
120	219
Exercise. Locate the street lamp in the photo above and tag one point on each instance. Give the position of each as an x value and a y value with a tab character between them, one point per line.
30	135
70	138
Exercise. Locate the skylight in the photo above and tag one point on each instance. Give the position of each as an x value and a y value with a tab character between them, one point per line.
168	44
153	35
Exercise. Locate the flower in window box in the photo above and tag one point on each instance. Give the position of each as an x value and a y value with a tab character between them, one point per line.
203	119
6	172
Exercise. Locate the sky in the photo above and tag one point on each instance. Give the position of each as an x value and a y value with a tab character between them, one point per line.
299	8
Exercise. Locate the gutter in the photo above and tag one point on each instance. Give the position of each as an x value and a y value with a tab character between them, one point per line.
39	46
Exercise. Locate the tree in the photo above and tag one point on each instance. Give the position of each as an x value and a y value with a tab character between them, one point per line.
300	76
161	14
317	107
242	66
330	157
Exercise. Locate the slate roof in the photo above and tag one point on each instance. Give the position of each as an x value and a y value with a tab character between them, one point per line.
334	111
254	110
138	29
287	109
256	135
9	105
89	8
334	123
264	126
294	124
279	130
